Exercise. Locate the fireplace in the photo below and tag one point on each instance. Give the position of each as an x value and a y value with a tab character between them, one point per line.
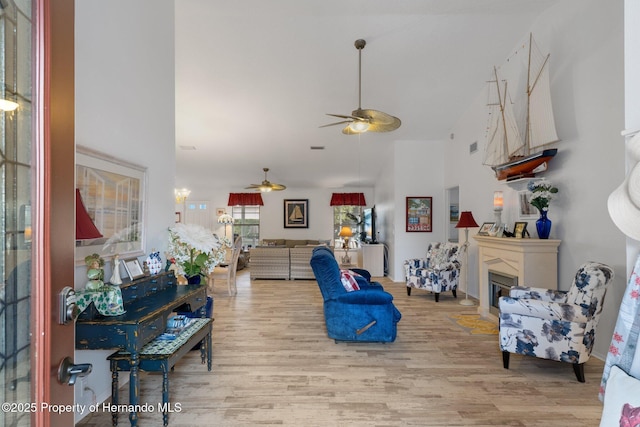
499	286
533	262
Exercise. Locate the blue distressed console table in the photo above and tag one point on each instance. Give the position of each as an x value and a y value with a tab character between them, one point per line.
148	302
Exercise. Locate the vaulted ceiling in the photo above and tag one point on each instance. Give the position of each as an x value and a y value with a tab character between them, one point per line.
255	79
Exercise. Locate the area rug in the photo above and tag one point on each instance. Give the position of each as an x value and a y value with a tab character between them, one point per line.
474	324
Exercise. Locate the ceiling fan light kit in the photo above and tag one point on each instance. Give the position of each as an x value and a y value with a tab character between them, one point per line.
360	121
266	186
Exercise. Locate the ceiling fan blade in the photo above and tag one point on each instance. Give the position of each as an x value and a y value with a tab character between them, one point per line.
381	122
278	187
336	123
342	116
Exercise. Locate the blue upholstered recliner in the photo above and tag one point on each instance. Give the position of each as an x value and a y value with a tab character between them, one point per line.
367	314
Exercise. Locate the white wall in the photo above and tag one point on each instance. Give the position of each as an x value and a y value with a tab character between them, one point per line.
419	172
585	39
125	108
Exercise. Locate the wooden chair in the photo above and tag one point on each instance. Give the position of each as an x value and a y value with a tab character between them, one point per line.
227	271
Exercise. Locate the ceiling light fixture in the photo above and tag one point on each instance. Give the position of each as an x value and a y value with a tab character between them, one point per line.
360	121
266	186
359	126
6	105
181	194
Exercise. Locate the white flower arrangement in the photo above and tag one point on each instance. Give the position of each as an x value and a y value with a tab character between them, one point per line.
195	249
542	192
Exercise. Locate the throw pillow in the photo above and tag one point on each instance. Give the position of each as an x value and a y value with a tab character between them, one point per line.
349	280
621	400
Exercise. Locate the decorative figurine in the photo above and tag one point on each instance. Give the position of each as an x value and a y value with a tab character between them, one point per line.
95	272
145	268
115	277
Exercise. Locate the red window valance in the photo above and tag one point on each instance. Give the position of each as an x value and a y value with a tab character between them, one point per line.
348	199
245	199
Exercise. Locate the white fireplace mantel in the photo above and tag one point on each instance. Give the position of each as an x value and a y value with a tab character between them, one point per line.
533	261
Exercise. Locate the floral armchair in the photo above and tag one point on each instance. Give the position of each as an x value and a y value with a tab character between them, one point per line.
438	272
552	324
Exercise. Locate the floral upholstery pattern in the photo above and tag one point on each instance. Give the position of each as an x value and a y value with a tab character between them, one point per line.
552	324
438	272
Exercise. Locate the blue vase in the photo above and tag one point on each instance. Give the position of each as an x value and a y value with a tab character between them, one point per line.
194	280
543	225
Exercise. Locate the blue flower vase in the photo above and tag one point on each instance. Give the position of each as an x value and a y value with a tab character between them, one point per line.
543	225
194	280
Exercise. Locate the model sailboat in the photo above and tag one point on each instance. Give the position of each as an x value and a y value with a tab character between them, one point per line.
510	153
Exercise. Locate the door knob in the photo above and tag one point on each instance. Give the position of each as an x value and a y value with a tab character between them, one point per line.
68	372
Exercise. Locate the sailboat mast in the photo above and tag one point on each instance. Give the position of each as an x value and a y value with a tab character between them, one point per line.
505	140
527	135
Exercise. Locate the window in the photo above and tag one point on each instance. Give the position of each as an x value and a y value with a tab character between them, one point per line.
246	223
350	216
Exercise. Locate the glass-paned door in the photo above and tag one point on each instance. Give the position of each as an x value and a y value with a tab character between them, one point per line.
15	214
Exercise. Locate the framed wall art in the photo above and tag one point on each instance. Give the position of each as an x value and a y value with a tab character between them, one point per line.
419	214
525	209
114	193
296	213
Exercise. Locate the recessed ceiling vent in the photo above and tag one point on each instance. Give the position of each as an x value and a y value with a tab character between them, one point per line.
317	147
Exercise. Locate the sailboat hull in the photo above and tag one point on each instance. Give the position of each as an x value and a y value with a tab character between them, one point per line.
524	166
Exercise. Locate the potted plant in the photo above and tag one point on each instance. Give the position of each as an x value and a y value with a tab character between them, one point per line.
196	250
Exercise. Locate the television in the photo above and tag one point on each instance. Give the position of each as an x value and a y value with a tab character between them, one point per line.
369	223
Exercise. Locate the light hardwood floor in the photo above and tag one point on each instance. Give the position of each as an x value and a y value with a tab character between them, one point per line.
274	365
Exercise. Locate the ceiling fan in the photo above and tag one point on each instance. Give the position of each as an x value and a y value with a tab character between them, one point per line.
266	186
360	120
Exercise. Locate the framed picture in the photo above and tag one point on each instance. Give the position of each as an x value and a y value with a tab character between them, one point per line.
133	269
520	229
454	213
525	209
419	214
114	194
484	229
178	217
296	213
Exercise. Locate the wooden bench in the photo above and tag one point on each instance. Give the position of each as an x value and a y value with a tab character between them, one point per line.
160	355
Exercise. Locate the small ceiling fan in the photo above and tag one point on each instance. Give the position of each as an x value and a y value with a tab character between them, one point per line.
266	186
360	120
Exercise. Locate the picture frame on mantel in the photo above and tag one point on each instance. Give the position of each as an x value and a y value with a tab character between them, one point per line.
419	214
113	192
296	213
484	228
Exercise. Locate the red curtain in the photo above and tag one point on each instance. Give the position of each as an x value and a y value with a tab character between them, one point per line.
245	199
348	199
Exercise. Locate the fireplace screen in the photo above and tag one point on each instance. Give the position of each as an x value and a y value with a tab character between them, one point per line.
499	285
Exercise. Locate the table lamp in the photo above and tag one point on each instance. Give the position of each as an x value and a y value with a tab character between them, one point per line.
345	233
466	221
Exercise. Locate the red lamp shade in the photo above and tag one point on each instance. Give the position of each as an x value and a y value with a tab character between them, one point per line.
85	228
466	220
